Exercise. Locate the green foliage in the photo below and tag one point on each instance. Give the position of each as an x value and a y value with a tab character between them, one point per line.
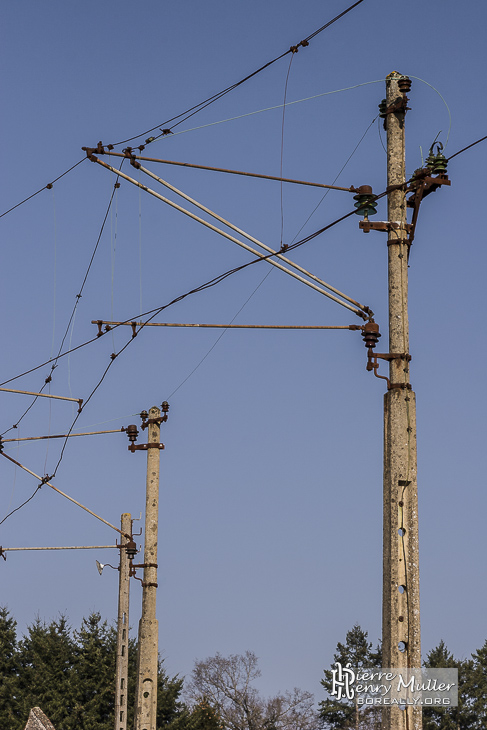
454	718
45	679
71	677
342	714
9	666
94	670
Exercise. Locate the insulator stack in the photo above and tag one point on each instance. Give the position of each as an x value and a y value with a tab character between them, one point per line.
371	335
430	160
366	201
131	549
440	164
404	84
383	108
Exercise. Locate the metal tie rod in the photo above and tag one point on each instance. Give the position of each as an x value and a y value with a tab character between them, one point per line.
249	237
131	323
64	495
79	401
74	547
226	235
234	172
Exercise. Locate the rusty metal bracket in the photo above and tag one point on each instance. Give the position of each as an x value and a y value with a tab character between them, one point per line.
393	356
399	106
383	226
373	364
145	585
159	419
143	447
422	185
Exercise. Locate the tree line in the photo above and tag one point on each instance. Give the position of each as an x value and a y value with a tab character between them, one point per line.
70	675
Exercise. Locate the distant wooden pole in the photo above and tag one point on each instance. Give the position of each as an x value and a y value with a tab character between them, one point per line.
401	640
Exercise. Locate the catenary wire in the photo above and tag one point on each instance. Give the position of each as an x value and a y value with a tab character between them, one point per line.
467	148
277	106
282	144
54	360
45	187
215	97
21	505
219	337
45	480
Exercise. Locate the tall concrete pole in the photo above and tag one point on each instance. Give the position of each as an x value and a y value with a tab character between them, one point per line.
122	665
146	699
401	639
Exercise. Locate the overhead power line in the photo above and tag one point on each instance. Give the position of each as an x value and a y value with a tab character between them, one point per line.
54	360
467	148
45	187
215	97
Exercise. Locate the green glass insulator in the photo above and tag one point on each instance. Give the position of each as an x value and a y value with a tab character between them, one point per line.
440	164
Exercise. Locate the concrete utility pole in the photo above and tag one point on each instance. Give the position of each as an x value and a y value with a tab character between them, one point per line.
146	697
401	640
122	660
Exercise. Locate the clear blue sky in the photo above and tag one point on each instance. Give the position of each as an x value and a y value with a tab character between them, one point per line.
271	489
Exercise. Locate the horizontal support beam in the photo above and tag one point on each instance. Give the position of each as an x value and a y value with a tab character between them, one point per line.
101	322
76	547
61	435
43	395
233	172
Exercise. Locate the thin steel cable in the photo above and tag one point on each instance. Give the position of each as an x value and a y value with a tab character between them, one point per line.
46	187
54	360
282	144
467	148
336	178
54	275
215	97
443	100
48	362
45	480
20	505
219	337
278	106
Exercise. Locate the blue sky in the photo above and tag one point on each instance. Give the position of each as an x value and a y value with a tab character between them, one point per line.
271	481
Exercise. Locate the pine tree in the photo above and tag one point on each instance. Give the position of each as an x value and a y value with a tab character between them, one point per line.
171	712
9	667
453	718
46	657
476	687
342	714
93	676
